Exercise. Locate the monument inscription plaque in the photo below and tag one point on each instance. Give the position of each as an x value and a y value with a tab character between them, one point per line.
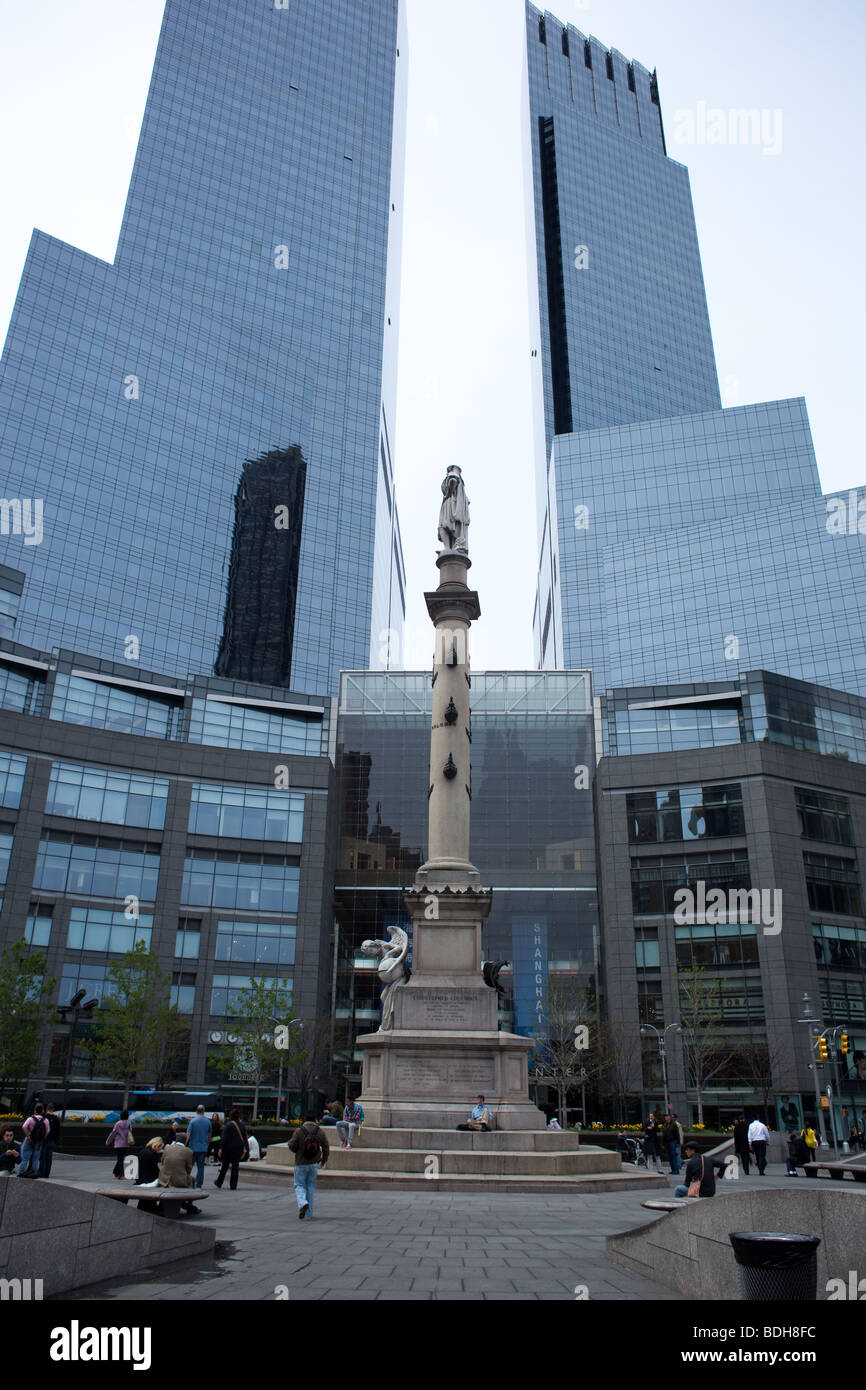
439	1008
454	1075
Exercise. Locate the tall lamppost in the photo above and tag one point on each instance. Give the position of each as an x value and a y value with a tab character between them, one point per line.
814	1027
660	1036
70	1014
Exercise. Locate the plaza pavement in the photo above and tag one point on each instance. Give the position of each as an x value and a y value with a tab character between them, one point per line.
378	1245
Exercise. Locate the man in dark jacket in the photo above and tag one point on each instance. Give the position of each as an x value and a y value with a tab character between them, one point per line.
233	1147
52	1142
741	1142
9	1151
699	1168
310	1146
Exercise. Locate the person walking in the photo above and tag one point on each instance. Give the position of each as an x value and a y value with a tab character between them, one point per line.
36	1130
198	1140
652	1133
759	1138
216	1126
52	1143
741	1142
353	1118
233	1147
120	1139
810	1139
672	1138
310	1146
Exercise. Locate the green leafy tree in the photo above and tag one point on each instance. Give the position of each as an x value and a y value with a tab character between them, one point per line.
256	1014
25	1014
135	1022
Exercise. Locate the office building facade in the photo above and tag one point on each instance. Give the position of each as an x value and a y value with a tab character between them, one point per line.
677	541
248	323
754	786
209	802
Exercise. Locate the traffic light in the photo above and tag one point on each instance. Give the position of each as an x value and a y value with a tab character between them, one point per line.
823	1049
843	1042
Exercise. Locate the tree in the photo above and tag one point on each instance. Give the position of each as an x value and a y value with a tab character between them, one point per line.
309	1060
135	1022
569	1006
618	1051
258	1010
25	1013
707	1049
759	1061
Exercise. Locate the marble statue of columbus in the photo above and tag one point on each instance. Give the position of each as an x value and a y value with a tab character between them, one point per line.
454	515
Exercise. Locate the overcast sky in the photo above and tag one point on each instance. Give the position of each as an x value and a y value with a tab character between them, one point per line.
781	234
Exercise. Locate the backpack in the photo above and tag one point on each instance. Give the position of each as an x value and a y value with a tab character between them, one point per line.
37	1130
309	1147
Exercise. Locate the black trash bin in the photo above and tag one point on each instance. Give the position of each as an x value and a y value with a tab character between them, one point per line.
775	1268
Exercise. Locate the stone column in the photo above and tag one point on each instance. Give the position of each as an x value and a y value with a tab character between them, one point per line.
445	1047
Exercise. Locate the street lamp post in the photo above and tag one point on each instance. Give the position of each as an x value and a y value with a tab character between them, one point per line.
813	1023
77	1010
660	1036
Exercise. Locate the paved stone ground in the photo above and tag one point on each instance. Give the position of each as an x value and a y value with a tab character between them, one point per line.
402	1245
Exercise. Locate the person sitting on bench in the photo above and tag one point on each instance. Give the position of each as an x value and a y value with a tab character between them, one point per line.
480	1118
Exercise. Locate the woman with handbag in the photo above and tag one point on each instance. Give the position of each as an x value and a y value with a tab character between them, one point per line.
120	1139
233	1147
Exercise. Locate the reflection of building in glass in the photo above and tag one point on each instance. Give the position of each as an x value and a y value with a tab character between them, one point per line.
263	573
532	835
709	523
253	302
755	787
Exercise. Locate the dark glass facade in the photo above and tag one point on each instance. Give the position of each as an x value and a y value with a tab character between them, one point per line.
250	313
532	830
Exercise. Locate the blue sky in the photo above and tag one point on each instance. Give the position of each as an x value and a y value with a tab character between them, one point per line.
781	235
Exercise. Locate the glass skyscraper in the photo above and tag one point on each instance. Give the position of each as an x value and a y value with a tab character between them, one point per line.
677	541
205	427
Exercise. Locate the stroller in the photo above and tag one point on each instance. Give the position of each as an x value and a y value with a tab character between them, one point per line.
630	1150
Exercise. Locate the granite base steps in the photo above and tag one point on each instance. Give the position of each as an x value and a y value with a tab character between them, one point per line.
464	1161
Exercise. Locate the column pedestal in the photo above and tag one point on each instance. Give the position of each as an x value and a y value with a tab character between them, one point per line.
445	1048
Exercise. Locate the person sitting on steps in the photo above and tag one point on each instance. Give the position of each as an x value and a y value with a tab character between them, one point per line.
480	1118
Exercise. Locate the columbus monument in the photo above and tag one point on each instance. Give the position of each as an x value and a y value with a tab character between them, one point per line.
439	1044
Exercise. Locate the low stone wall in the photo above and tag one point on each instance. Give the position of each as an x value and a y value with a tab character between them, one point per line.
69	1238
688	1250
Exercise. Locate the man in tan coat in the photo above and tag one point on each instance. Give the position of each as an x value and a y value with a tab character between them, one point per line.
176	1171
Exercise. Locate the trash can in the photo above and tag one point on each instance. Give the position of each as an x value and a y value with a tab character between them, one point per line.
774	1268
